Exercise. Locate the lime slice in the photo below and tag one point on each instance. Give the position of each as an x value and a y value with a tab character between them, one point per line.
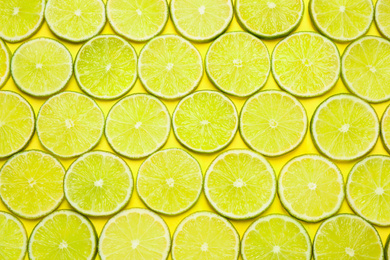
201	20
70	124
238	63
17	123
170	181
137	126
5	57
344	127
347	236
311	188
269	19
306	64
365	68
20	19
13	238
137	20
382	14
273	122
240	184
170	67
342	21
135	234
41	67
75	20
276	237
106	67
65	235
205	235
98	184
387	248
205	121
385	129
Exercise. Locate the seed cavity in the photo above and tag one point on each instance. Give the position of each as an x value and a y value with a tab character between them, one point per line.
273	123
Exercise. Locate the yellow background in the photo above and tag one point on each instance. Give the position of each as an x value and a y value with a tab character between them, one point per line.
277	163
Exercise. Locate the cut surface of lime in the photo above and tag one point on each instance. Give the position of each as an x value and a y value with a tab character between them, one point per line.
106	67
385	129
238	63
137	126
306	64
20	19
137	20
69	124
65	235
135	234
170	181
342	20
205	121
201	20
13	237
365	68
41	67
276	237
347	236
205	235
344	127
273	122
5	61
170	67
17	123
269	19
240	184
311	188
98	184
75	20
382	14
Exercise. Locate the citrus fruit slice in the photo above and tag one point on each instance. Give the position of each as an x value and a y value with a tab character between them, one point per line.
65	235
17	123
98	184
306	64
40	177
69	124
205	235
311	188
269	19
205	121
365	67
135	234
201	20
240	184
75	20
387	248
106	67
276	237
137	20
41	67
385	129
342	20
273	122
382	14
347	236
170	67
5	60
13	237
20	19
170	181
137	126
238	63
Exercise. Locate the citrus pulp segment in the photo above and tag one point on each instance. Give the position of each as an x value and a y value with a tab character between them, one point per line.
276	237
238	63
137	125
205	121
70	124
13	237
5	60
41	67
344	127
135	234
382	14
170	67
170	181
306	64
273	122
106	67
137	20
205	235
385	129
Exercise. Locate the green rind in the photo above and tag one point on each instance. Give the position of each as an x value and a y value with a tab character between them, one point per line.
9	57
23	230
380	29
386	249
382	134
